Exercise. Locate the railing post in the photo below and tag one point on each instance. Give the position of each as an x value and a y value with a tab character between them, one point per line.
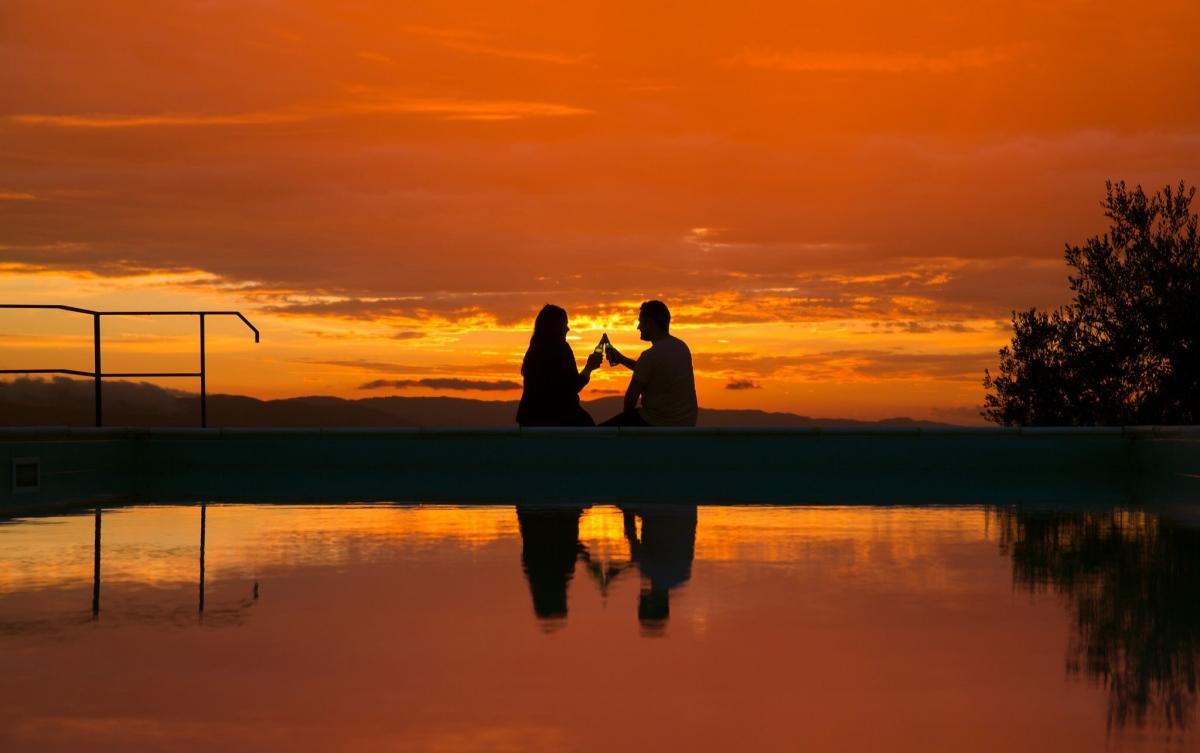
203	380
97	372
96	353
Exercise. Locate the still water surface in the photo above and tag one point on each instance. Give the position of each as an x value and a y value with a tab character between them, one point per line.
382	627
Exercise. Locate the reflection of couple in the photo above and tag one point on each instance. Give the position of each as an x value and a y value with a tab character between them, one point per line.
662	550
662	391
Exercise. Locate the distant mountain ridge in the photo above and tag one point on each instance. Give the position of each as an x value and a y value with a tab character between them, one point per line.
69	402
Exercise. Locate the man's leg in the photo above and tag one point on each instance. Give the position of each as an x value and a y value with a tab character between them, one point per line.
626	418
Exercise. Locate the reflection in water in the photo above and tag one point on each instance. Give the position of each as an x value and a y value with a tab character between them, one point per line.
907	638
203	527
1132	581
549	547
96	568
226	615
663	552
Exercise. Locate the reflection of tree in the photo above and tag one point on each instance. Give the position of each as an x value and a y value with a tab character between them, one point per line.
1132	581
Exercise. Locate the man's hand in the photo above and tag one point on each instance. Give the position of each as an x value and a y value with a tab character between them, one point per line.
593	361
614	356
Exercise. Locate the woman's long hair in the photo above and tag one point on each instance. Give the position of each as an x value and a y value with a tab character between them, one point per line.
547	335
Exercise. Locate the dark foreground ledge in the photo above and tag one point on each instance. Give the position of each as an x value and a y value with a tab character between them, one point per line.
80	466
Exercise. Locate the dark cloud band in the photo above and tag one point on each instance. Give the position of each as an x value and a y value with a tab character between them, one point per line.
458	385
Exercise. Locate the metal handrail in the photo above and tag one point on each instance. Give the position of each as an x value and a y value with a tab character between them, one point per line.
99	375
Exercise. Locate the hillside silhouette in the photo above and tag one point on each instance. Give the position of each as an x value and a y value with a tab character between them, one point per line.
69	402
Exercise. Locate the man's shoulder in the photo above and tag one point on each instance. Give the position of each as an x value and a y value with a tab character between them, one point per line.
666	347
677	344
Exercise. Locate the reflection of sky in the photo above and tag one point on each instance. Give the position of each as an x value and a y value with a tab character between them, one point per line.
158	545
411	628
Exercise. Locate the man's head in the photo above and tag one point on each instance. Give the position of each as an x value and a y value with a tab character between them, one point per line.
654	607
654	320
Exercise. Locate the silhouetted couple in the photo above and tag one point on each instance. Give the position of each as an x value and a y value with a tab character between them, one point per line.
662	391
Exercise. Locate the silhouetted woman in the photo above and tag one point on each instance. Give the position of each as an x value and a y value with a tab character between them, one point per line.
552	380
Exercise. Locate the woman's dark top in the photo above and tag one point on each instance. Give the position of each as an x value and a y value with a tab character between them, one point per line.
552	385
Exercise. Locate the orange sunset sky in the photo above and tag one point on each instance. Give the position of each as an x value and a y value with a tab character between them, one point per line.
841	202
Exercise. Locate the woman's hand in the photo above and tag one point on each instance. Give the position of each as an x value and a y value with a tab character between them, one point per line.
593	361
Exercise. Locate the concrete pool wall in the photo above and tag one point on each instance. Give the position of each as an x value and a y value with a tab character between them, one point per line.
80	466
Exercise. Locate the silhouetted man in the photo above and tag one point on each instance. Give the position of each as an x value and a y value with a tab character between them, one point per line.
662	375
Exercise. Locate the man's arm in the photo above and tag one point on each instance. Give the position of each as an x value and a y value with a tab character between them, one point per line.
636	388
616	358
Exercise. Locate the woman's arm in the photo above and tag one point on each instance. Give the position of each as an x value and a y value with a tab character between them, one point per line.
585	376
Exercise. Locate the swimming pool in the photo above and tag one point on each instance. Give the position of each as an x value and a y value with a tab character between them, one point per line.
586	627
596	589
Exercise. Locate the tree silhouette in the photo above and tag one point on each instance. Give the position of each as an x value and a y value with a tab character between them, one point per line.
1126	350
